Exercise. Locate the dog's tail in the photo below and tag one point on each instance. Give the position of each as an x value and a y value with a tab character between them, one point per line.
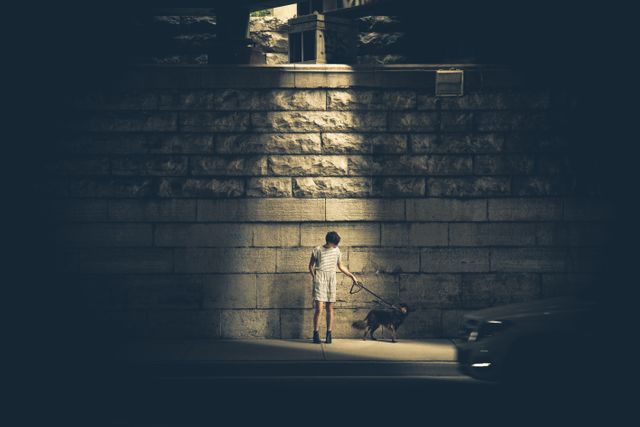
360	324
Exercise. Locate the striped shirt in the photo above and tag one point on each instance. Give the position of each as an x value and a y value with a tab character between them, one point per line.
326	258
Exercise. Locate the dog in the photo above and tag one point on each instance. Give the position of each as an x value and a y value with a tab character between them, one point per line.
391	319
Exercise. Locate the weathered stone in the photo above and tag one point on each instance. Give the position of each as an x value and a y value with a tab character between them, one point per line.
99	235
462	143
338	143
456	122
472	186
113	187
385	285
423	323
296	260
529	259
500	121
79	166
116	260
315	121
198	24
449	165
291	290
116	143
230	166
117	100
276	235
394	234
487	290
250	324
498	101
308	165
351	234
379	23
430	290
296	323
156	292
190	187
151	166
331	187
382	59
225	260
214	121
413	121
203	235
454	260
492	234
535	142
370	100
525	209
365	210
276	58
446	210
541	185
294	99
270	41
228	290
257	210
452	322
428	234
292	143
514	164
397	260
129	121
269	187
387	165
152	210
399	187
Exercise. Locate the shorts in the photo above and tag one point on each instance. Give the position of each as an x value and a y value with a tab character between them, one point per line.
324	286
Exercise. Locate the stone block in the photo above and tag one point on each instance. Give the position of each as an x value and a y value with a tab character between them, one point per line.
574	234
398	187
351	234
397	260
139	143
149	166
183	324
541	185
112	187
116	100
297	323
315	121
104	235
308	165
257	210
152	210
269	187
509	164
201	187
394	234
292	290
492	234
116	260
205	121
529	260
83	210
525	209
468	186
228	165
276	235
456	122
430	290
446	210
488	290
384	285
229	291
370	100
250	324
225	260
365	210
268	143
428	234
159	292
452	323
419	122
203	235
296	260
364	143
129	121
317	187
422	323
463	143
454	260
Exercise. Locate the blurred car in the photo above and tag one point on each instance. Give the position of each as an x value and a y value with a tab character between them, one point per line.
527	342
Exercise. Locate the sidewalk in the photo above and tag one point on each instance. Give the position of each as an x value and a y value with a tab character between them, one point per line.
291	358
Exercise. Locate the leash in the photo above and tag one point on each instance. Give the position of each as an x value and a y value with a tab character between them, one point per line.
360	286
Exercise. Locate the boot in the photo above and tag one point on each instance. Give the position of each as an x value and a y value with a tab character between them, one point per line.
328	340
316	337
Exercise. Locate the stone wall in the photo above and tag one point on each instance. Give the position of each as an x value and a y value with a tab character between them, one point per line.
187	200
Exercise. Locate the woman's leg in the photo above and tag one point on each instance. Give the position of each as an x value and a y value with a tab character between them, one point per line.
316	315
329	316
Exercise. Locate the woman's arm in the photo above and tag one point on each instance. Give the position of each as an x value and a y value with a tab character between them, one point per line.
345	271
312	263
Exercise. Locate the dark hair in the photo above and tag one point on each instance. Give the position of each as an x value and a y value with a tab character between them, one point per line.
332	237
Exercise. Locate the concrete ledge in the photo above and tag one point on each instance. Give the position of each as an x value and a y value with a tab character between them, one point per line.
311	76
